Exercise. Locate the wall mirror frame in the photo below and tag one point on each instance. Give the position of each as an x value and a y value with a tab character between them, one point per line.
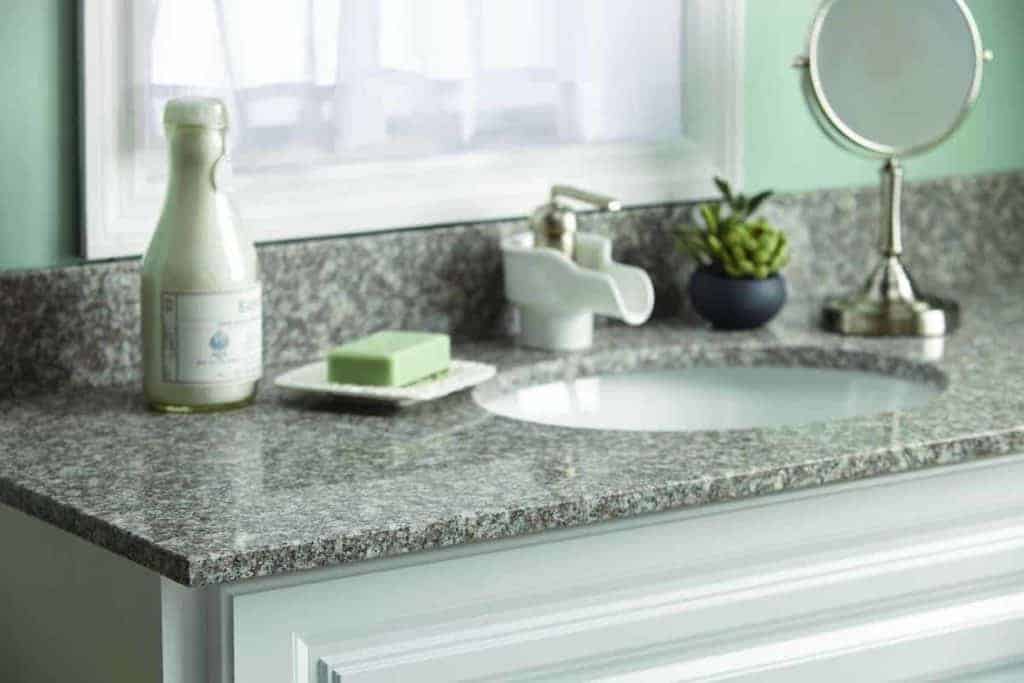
122	197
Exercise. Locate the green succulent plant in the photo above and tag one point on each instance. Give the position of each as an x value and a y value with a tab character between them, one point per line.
743	247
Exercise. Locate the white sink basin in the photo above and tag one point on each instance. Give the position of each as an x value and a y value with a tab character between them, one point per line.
704	398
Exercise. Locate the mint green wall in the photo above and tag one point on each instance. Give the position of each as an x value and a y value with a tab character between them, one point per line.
38	136
784	150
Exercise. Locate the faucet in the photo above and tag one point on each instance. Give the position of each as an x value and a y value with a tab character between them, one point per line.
559	278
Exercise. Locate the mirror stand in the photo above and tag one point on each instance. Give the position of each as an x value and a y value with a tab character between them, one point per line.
889	304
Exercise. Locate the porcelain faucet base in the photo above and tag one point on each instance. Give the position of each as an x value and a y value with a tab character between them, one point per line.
542	329
557	297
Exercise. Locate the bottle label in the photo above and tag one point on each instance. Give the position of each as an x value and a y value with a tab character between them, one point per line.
212	338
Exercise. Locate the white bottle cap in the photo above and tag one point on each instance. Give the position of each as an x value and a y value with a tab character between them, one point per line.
206	112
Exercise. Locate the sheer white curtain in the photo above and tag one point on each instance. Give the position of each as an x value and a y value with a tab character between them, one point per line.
333	81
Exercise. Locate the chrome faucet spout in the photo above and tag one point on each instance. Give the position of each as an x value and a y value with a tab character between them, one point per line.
595	199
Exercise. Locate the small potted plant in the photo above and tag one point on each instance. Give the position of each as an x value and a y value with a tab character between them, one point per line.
738	285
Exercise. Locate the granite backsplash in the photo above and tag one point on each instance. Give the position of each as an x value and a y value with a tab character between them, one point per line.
80	324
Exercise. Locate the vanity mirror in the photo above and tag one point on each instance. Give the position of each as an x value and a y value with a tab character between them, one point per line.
892	80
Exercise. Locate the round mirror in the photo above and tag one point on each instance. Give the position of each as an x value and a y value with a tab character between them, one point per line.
894	77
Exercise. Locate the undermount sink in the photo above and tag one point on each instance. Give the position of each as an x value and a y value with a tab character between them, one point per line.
710	398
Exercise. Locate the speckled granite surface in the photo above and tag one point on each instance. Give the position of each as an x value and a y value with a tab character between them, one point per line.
80	325
291	484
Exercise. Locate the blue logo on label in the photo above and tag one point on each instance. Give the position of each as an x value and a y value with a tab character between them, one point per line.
219	341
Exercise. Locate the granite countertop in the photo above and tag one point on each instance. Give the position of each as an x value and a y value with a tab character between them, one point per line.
296	483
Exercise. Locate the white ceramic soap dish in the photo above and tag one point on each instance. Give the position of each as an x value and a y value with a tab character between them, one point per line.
461	374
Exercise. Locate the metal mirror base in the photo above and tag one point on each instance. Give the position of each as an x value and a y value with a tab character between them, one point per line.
889	305
927	316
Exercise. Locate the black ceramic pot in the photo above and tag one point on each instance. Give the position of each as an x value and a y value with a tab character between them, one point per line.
736	304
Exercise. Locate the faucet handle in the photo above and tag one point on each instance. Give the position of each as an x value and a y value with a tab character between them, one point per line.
599	201
554	225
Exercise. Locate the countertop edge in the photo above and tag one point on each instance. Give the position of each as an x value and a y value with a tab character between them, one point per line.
513	523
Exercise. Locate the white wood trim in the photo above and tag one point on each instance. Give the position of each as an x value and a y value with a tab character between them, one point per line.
183	625
121	209
983	621
715	69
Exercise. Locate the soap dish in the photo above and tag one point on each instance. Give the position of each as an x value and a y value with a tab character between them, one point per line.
461	374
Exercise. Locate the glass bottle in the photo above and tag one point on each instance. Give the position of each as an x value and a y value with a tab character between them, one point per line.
201	296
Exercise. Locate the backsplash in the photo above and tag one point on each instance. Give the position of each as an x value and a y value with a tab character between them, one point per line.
80	325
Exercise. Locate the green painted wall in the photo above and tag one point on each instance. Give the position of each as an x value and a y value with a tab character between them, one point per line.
784	150
38	132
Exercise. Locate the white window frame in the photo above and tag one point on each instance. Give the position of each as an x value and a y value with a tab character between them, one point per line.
120	211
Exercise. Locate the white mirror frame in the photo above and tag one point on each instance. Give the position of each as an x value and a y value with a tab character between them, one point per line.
120	209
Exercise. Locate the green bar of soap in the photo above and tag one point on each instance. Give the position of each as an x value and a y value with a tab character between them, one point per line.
390	358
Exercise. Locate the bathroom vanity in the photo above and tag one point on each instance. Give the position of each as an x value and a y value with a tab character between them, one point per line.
669	503
296	542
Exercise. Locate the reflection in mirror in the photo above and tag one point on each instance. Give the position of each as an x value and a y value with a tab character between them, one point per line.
896	73
351	116
397	79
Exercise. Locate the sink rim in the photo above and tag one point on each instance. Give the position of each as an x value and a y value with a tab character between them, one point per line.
680	357
568	367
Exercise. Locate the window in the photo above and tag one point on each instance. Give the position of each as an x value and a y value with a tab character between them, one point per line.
361	115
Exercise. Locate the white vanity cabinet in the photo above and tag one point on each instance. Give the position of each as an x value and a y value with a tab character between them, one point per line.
913	576
903	576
